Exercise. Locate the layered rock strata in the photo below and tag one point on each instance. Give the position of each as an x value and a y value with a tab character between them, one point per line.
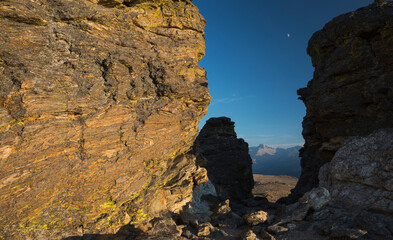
351	93
228	164
99	106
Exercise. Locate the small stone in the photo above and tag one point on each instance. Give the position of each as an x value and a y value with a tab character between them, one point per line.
186	233
219	234
255	218
266	236
347	233
205	229
316	198
223	208
277	229
249	235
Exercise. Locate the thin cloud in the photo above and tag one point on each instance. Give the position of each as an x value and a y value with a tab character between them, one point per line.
231	99
227	100
287	145
265	136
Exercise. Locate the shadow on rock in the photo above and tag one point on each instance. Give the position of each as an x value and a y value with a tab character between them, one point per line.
126	232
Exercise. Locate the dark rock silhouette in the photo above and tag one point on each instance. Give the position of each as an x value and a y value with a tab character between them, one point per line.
351	93
228	163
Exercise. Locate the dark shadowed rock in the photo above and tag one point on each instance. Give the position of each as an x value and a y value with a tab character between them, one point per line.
249	235
351	93
99	107
228	162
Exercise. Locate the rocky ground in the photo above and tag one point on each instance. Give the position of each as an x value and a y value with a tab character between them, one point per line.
273	187
315	216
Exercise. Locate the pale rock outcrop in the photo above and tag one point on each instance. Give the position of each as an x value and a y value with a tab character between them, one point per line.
361	172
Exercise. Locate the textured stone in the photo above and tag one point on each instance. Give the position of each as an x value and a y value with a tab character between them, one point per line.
249	235
316	198
276	228
205	229
198	211
352	89
361	172
223	208
99	106
265	235
228	164
255	218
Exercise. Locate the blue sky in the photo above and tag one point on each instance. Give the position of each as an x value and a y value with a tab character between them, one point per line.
256	60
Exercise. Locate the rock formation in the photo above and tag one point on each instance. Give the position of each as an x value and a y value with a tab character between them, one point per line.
99	106
228	163
351	93
361	172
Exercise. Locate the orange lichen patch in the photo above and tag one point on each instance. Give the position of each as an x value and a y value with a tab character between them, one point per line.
164	201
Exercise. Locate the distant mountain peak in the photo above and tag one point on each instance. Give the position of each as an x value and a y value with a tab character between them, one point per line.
269	160
264	149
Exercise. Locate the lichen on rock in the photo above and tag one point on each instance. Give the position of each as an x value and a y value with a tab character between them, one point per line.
99	107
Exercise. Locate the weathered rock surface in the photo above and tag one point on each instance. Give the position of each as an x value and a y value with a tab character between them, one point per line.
255	218
361	172
99	106
228	163
351	93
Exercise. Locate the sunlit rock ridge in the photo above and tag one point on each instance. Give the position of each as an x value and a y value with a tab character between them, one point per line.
99	106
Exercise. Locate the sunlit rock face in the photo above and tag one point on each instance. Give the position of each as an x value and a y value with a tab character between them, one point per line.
351	93
228	164
99	106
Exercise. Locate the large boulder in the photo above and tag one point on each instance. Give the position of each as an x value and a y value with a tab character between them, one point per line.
99	107
228	164
361	172
351	93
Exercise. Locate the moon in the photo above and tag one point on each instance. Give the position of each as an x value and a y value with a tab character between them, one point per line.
288	35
